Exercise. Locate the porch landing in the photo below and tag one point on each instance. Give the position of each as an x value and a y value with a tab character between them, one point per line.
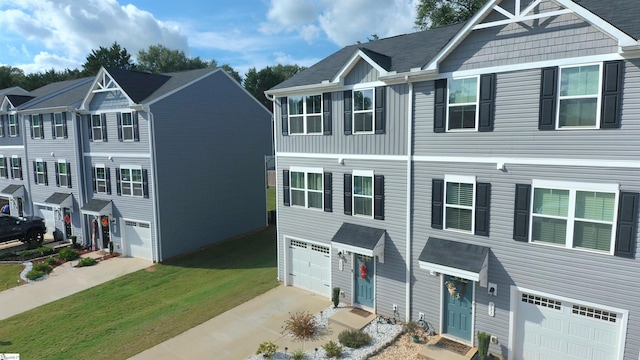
431	351
351	318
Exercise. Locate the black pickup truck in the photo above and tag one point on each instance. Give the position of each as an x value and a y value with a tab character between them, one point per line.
27	229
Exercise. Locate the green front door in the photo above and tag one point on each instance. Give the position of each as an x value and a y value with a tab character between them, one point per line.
364	280
458	310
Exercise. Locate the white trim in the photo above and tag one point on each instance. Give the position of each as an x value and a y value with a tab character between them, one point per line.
120	155
516	291
342	156
365	86
522	18
305	114
352	62
476	104
100	84
571	185
304	169
354	111
12	147
598	97
460	179
368	173
408	250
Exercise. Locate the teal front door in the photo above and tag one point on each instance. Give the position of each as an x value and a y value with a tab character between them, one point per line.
458	297
364	280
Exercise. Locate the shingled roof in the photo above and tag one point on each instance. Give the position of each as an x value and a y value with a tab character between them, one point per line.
622	14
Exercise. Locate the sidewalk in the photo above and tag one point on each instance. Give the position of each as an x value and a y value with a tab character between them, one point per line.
63	281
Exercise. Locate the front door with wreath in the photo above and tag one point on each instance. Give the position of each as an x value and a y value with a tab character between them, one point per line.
458	307
363	280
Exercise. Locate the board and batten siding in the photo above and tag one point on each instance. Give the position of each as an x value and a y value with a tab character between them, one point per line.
211	139
561	37
549	269
516	131
362	72
392	142
319	226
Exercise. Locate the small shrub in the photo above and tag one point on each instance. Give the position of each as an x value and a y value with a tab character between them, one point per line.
35	274
68	254
297	355
26	253
301	324
42	267
52	261
44	250
267	349
354	338
483	345
7	255
87	262
335	297
332	349
411	328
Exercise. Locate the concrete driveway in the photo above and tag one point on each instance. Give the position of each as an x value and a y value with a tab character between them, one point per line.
237	333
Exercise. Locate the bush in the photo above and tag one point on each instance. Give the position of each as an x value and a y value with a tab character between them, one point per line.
52	261
483	345
332	349
27	253
297	355
335	297
42	267
267	349
354	338
301	324
35	274
7	255
87	262
44	250
68	254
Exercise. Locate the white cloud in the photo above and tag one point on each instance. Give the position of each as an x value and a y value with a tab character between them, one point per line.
288	15
45	61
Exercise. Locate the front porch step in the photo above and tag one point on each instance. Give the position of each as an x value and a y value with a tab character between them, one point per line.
431	351
345	319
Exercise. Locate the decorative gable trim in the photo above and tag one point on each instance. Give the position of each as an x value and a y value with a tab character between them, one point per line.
103	83
351	63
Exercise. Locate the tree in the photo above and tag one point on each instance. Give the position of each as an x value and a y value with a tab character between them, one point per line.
436	13
115	56
231	71
36	80
158	59
257	82
11	76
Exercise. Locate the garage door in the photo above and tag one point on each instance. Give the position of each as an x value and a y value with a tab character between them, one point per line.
137	240
310	267
47	214
548	328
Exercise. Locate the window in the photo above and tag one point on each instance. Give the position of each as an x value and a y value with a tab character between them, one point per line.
578	100
459	197
307	188
13	126
363	111
100	177
127	126
305	114
463	103
40	172
97	126
16	168
36	127
574	215
58	125
131	181
63	173
362	194
4	171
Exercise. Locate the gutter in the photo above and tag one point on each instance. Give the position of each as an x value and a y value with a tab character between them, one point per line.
408	253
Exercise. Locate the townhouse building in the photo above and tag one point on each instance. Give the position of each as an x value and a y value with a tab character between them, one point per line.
482	176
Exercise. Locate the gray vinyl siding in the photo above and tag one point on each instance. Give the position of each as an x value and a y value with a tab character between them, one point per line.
552	270
210	142
565	36
113	145
319	226
363	72
516	131
108	101
392	142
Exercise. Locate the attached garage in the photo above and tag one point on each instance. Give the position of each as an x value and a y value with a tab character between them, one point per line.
137	240
310	267
552	328
47	213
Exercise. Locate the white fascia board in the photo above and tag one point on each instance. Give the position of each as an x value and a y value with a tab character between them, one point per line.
305	89
468	275
353	61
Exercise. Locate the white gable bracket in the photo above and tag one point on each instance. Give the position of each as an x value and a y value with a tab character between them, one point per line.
353	61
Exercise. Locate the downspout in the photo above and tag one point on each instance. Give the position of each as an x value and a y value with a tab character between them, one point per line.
79	143
25	167
409	260
154	176
275	164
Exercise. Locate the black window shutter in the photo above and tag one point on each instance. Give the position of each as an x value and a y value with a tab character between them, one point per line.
285	188
103	122
30	127
326	114
20	168
611	94
53	126
11	167
483	205
93	178
8	168
118	184
145	183
90	127
348	94
136	129
437	203
119	120
548	99
3	120
347	195
57	170
41	126
69	175
627	224
521	212
328	196
64	125
107	175
46	174
284	115
35	172
379	110
440	106
378	197
487	101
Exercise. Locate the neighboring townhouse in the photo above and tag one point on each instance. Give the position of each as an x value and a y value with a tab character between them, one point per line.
482	176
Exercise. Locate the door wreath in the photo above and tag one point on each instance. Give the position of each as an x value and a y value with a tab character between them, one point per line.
456	287
363	271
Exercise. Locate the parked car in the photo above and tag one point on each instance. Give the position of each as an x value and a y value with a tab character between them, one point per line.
27	229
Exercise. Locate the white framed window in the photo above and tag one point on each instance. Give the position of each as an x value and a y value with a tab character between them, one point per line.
16	167
58	123
127	126
363	193
96	127
13	125
40	172
579	96
100	175
459	204
36	126
131	181
305	114
363	103
462	105
574	215
63	173
4	168
307	187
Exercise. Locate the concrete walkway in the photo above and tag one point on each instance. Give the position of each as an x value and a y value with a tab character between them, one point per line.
237	333
62	283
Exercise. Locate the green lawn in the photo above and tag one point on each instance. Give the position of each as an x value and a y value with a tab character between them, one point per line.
137	311
271	198
10	276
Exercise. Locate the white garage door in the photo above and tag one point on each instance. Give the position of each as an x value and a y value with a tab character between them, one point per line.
137	240
548	328
47	214
310	267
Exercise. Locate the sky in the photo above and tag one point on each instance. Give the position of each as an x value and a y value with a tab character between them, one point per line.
38	35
